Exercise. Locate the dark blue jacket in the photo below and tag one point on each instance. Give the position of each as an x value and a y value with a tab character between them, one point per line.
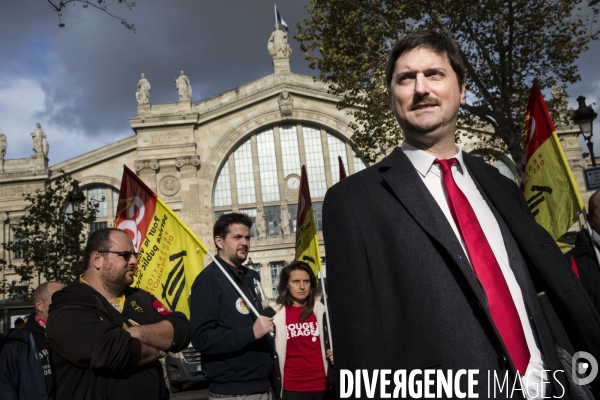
232	359
21	376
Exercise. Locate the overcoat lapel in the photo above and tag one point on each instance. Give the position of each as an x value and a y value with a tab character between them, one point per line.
405	183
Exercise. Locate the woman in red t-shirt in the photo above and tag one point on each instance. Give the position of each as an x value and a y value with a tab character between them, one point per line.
299	336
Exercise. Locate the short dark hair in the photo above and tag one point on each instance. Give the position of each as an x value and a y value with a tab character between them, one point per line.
221	227
98	241
432	40
285	298
591	205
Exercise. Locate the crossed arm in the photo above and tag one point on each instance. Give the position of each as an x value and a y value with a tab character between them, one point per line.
156	340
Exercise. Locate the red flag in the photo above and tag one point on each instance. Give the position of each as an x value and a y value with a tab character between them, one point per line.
170	255
547	181
342	169
307	242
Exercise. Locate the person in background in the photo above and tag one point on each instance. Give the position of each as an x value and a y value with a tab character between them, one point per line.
24	360
106	337
300	340
234	343
586	263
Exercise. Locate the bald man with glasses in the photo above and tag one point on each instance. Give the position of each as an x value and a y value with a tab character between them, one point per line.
106	337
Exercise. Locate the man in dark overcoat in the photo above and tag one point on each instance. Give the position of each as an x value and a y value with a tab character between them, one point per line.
435	262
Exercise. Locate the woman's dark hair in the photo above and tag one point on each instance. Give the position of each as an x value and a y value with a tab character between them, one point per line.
285	298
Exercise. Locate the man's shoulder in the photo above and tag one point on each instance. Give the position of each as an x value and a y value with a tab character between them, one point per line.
74	293
370	175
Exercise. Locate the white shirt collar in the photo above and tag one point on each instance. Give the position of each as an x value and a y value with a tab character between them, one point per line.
423	161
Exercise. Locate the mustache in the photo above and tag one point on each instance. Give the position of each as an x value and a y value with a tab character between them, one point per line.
423	102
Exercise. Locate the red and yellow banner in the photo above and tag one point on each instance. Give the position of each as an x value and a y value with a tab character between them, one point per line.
546	178
307	242
170	254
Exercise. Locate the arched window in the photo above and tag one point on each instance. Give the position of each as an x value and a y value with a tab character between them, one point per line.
264	171
105	200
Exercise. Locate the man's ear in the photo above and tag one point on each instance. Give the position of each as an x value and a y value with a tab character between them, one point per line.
219	242
463	92
39	306
97	260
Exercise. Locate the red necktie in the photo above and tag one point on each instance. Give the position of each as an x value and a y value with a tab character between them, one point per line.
486	267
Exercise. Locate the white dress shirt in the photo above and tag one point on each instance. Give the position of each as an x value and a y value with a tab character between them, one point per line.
432	178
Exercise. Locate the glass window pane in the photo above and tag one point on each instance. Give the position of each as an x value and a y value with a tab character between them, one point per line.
336	148
251	212
97	225
115	201
290	152
217	214
244	174
318	213
96	197
272	214
267	163
315	164
223	188
276	268
359	164
18	253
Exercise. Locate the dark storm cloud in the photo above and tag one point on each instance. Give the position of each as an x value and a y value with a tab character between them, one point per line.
88	71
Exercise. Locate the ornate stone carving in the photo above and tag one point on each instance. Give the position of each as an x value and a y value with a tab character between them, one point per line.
278	46
2	146
146	166
184	87
284	218
261	222
286	104
561	105
143	91
169	185
40	142
187	162
3	217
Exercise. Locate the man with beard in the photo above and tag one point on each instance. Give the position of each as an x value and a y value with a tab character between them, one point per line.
106	337
434	260
236	352
24	360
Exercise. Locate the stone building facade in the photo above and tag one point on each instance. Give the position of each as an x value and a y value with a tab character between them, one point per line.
241	150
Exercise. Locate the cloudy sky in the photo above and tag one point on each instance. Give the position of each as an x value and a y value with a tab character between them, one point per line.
79	81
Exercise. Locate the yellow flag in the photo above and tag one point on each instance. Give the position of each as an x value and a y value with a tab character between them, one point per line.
170	255
307	242
546	178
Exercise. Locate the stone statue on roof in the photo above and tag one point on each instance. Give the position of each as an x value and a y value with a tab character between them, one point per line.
40	141
2	146
184	87
278	46
143	91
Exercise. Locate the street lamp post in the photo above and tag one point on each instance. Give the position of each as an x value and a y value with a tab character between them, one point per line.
75	197
584	116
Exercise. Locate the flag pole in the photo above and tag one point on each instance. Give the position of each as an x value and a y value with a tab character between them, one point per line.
326	312
236	287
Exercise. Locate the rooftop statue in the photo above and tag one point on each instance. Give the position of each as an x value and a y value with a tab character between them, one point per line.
278	46
184	88
40	142
143	91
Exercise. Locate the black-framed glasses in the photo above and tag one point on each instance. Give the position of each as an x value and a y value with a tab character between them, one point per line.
125	254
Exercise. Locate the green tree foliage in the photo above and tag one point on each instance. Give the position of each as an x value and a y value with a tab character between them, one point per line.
504	45
59	6
50	237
